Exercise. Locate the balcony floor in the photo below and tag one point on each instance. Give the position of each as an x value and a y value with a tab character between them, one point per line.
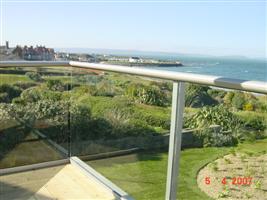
57	183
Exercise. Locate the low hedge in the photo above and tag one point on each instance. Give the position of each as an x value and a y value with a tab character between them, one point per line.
253	120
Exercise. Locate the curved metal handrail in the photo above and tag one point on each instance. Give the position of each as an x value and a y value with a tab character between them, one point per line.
217	81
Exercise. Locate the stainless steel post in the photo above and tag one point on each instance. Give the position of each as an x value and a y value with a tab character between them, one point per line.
178	102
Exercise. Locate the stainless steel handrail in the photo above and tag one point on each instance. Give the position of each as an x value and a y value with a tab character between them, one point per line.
178	101
217	81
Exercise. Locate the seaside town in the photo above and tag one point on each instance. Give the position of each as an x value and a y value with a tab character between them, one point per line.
42	53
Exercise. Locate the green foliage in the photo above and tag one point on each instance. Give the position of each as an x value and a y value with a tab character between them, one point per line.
88	79
163	85
153	116
238	100
258	185
80	122
212	138
35	94
150	95
218	115
105	88
55	85
85	90
253	120
25	85
228	132
35	76
197	96
8	92
100	104
4	112
241	101
261	103
146	115
248	107
55	111
122	125
218	95
228	98
4	97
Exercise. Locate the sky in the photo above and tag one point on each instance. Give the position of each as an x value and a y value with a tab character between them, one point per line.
192	27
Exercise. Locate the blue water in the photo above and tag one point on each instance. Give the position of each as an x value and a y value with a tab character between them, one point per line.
230	67
247	69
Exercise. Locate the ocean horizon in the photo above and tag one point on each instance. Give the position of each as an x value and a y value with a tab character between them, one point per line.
239	67
246	69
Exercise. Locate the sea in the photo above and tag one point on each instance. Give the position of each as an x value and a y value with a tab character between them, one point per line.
238	68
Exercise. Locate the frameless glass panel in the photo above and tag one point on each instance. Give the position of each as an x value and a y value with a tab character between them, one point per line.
226	150
121	128
34	115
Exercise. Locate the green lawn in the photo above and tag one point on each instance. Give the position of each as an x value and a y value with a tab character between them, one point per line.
143	175
64	79
13	78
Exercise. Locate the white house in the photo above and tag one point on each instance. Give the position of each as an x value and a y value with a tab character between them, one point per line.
135	60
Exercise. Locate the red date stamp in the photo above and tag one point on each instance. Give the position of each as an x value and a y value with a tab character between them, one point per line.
233	180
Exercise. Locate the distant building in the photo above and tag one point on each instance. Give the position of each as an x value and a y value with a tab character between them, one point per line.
135	60
86	58
37	53
7	45
4	47
74	56
6	50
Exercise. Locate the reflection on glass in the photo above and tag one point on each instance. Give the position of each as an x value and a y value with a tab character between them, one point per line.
119	124
34	113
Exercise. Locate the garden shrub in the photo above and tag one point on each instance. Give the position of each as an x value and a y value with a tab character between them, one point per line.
88	79
197	96
253	120
4	98
153	116
163	85
238	100
241	101
105	88
4	112
38	93
228	98
99	104
81	122
150	95
8	92
85	90
229	125
218	95
218	115
212	138
262	104
248	107
25	85
35	76
123	125
55	85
